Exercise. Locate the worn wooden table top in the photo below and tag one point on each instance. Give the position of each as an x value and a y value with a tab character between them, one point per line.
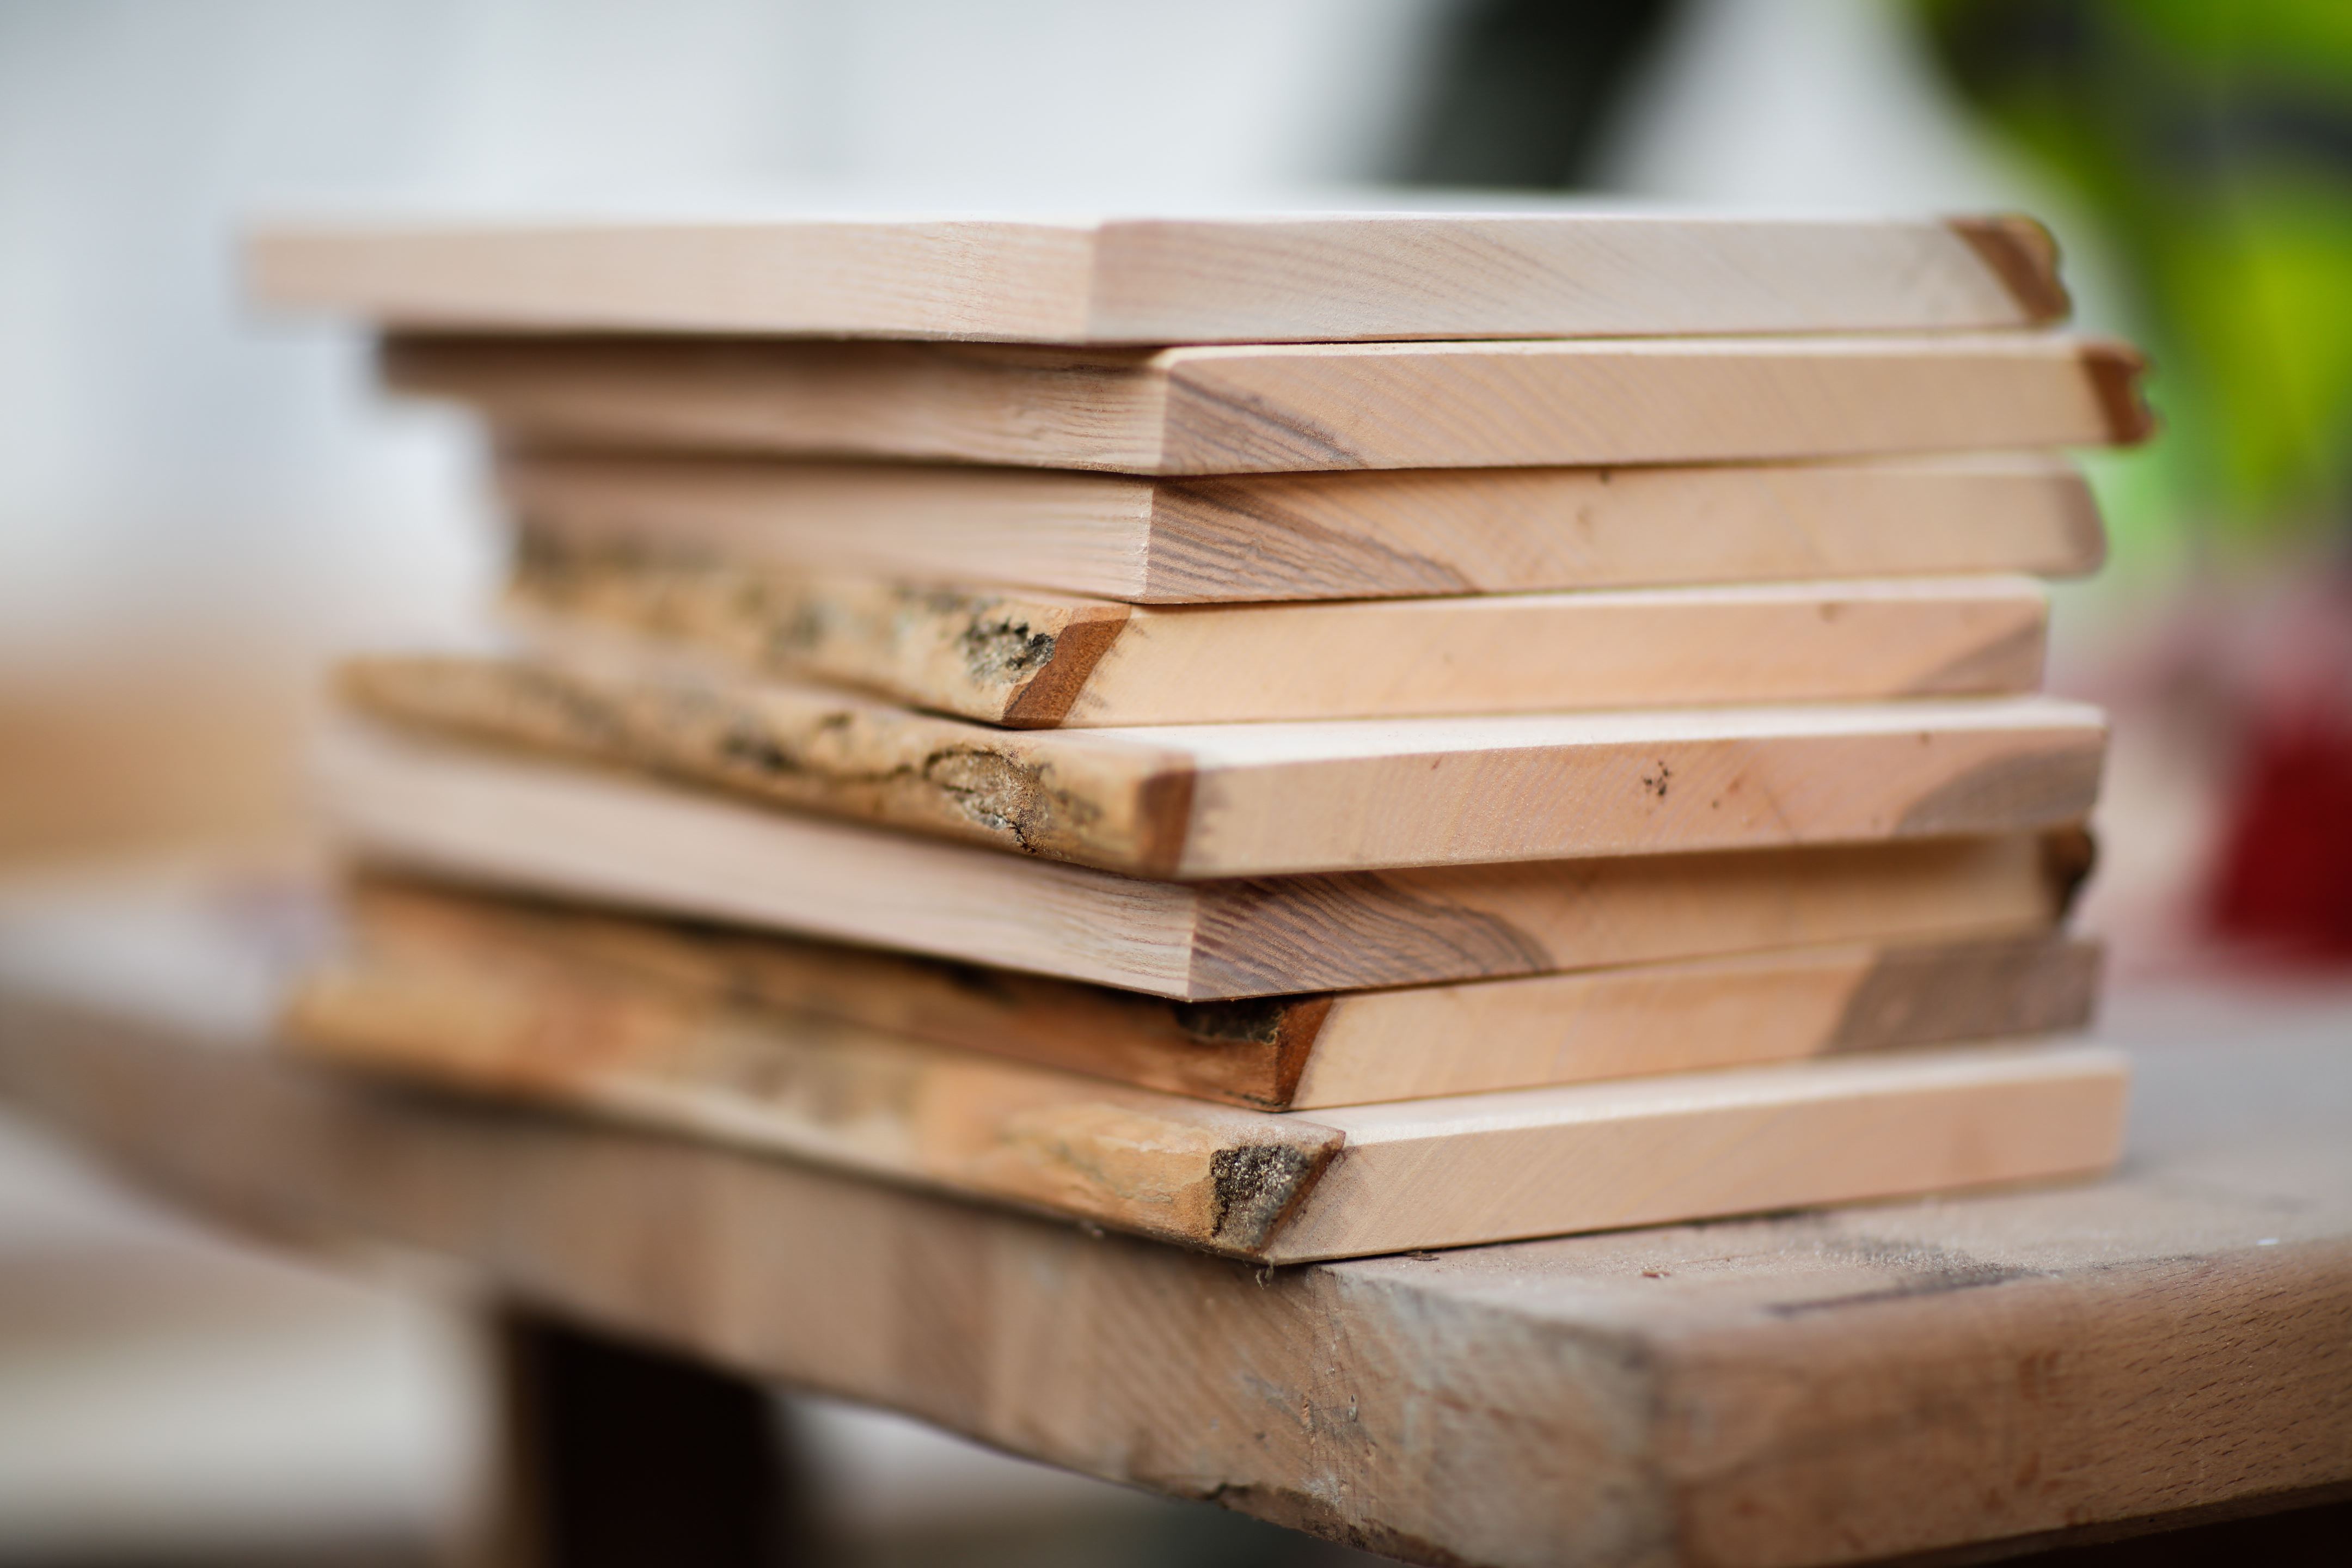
1954	1377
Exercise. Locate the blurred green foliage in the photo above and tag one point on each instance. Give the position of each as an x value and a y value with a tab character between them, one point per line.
2212	141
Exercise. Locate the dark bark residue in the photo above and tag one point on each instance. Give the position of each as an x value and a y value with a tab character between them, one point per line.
1252	1186
1003	648
1253	1020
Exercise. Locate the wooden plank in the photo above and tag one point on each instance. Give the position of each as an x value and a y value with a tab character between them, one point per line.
1298	408
1037	660
1395	533
517	822
1179	279
1206	801
1285	1187
1286	1053
1998	1371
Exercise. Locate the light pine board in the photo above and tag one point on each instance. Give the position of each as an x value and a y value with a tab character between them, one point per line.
1346	1182
1035	661
1854	1384
1277	1053
1298	408
536	825
1177	278
1397	533
1203	801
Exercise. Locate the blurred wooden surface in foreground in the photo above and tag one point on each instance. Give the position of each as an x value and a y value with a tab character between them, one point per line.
100	763
1997	1373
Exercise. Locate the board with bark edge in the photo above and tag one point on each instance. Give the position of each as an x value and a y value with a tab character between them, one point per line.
517	822
1035	661
1342	1182
1284	1053
1204	801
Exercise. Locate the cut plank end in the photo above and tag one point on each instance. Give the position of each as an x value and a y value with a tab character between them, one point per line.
2023	255
2116	370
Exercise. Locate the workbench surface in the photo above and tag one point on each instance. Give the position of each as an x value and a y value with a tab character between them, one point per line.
2170	1344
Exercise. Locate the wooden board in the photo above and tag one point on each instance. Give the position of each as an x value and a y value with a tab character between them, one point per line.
1245	800
1281	1053
1035	661
1983	1375
1397	533
1298	408
1282	1187
515	821
1179	279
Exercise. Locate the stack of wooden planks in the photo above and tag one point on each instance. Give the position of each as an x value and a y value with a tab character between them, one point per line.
1303	737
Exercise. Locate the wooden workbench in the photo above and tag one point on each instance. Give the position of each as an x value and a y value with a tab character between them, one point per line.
2170	1345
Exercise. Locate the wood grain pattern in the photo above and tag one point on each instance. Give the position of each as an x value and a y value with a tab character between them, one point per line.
839	1094
1839	1386
1285	1053
1036	662
1298	408
1397	533
1204	801
1423	1173
1179	279
535	826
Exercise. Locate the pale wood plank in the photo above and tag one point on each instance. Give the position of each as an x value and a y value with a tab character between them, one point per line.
1581	1402
1645	1150
1035	661
1288	1052
1298	408
1177	278
1396	534
1284	1187
1203	801
518	821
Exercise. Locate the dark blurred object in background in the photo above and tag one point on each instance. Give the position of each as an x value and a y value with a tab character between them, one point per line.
1522	91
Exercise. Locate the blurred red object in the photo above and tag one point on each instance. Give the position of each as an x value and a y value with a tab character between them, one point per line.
2283	880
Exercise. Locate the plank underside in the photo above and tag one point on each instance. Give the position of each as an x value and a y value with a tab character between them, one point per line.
546	827
1298	408
1032	660
1836	1386
1325	536
1349	1181
1286	1052
1197	802
1313	277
